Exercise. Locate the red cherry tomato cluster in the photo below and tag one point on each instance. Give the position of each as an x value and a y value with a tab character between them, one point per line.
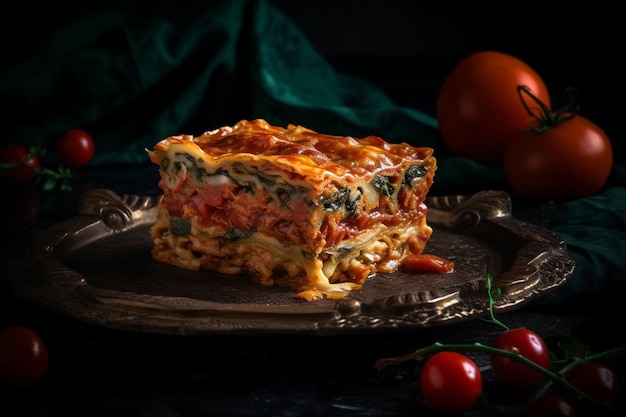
21	165
548	155
451	382
23	357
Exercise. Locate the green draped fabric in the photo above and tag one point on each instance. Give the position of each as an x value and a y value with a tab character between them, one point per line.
132	77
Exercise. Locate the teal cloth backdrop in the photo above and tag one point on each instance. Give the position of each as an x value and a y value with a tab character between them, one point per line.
132	78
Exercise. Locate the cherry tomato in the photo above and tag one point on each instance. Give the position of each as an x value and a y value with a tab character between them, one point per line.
596	380
528	344
551	405
568	160
23	357
18	164
450	382
478	109
75	148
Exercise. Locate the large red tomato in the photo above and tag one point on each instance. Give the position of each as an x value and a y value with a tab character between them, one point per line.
568	160
479	110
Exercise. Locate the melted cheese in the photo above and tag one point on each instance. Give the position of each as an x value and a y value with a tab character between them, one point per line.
295	149
291	207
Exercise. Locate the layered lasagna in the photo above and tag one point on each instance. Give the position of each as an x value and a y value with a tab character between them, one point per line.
291	207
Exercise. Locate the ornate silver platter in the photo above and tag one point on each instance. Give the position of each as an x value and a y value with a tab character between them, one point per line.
97	268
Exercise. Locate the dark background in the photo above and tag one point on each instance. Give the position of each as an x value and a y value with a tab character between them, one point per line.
407	47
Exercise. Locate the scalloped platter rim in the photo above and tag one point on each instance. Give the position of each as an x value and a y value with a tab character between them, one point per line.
97	268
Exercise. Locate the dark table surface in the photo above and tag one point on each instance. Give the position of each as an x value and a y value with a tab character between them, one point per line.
98	371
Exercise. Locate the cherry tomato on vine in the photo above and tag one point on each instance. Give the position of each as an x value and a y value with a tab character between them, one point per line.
450	382
596	380
478	109
23	357
18	164
528	344
551	405
560	155
75	148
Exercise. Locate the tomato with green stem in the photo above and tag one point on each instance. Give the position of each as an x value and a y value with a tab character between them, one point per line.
529	345
450	382
560	155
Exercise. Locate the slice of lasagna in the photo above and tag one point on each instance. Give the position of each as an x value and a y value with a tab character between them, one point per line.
289	206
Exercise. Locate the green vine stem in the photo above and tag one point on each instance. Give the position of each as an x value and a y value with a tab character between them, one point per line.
490	294
62	176
50	178
617	351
